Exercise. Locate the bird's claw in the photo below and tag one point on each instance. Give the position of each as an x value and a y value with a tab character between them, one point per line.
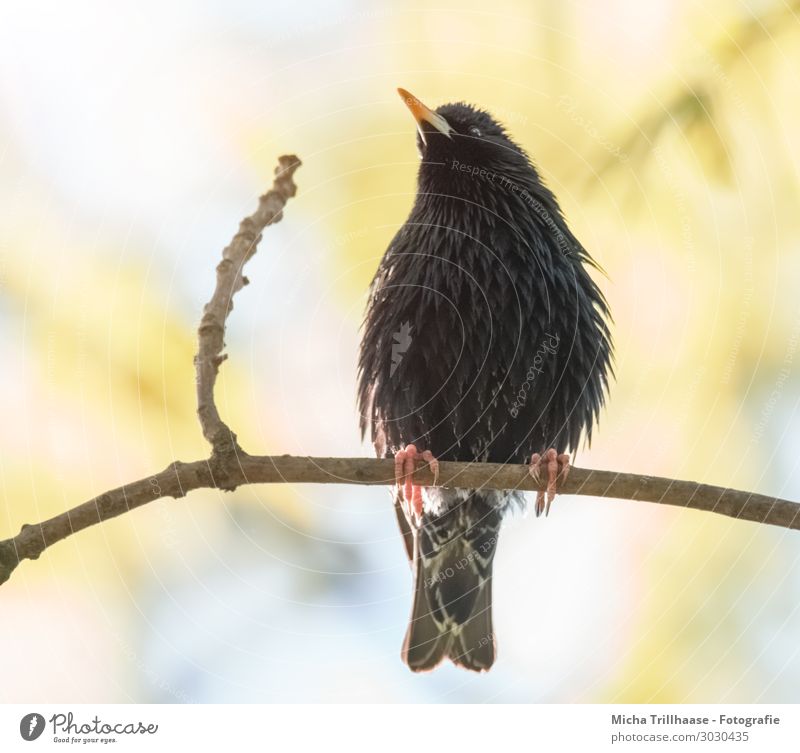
433	464
404	465
557	470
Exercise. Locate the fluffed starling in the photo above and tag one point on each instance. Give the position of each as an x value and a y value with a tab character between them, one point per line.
485	339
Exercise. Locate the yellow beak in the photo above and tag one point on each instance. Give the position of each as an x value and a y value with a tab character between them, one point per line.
423	114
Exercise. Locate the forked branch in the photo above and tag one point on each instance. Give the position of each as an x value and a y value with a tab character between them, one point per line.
228	466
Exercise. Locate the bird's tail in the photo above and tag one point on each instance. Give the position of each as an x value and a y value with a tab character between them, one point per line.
452	612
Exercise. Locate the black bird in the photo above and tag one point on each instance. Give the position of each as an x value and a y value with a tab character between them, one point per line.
485	339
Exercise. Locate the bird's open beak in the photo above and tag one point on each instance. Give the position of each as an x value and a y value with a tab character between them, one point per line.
423	114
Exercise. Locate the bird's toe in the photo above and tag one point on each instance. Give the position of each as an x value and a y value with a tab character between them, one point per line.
557	467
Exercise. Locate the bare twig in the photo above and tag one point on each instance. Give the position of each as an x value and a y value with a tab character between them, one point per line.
230	280
229	466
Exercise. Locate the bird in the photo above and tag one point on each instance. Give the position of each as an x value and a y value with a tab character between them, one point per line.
485	339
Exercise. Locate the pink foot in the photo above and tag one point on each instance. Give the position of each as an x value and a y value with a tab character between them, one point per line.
557	469
404	463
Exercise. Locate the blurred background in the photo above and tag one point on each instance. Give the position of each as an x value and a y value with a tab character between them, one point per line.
134	137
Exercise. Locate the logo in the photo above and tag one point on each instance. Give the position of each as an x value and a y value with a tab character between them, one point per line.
31	726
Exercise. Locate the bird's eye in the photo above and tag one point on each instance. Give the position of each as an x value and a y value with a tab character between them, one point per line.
474	131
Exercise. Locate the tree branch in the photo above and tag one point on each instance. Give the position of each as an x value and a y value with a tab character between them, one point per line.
180	478
229	466
230	280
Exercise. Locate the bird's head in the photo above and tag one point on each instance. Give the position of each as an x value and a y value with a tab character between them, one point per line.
463	139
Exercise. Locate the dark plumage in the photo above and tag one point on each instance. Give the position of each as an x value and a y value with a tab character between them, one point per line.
485	339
